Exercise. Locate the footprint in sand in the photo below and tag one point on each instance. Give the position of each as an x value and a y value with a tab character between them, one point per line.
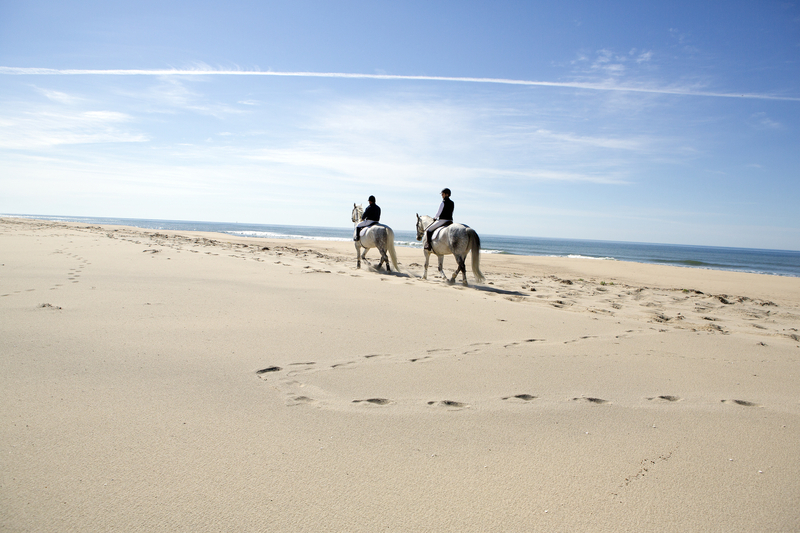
268	370
375	401
520	342
300	400
448	403
666	398
523	397
590	399
744	403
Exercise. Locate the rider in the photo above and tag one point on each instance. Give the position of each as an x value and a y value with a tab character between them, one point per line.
444	217
371	215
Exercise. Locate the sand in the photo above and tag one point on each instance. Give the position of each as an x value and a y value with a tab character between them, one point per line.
175	381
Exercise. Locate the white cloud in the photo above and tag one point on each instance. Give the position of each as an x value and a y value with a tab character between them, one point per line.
597	142
416	143
33	130
171	94
57	96
762	121
609	63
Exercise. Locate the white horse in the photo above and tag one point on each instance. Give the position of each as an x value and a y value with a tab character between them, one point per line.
377	236
456	239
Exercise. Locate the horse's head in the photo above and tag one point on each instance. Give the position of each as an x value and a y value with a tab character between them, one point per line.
420	228
357	212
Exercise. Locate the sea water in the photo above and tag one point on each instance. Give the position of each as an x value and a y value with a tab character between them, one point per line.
775	262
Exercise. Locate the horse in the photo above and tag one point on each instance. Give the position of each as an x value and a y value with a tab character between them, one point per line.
378	236
456	239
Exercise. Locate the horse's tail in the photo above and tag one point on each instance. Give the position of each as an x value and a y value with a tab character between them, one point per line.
390	247
475	248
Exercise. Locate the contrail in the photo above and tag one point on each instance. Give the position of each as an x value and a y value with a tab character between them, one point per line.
503	81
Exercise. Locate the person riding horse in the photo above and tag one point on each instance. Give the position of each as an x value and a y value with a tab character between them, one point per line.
444	217
372	215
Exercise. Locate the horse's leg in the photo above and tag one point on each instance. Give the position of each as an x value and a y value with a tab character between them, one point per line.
441	266
358	254
462	265
380	238
384	259
458	267
427	258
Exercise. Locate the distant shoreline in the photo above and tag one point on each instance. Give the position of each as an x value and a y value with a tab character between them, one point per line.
751	260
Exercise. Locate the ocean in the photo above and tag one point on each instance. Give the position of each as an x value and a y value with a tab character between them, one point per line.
774	262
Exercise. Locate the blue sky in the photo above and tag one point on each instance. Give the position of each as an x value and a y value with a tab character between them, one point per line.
636	121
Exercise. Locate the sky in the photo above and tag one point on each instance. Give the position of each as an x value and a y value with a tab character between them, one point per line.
667	122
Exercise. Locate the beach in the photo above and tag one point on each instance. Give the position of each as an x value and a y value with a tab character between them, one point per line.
187	381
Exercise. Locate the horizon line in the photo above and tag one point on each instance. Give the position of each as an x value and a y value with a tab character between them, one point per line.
35	71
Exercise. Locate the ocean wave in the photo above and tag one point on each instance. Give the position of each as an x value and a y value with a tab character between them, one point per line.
576	256
418	245
273	235
692	263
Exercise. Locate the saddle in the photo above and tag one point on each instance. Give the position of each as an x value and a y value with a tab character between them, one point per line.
435	234
359	231
437	231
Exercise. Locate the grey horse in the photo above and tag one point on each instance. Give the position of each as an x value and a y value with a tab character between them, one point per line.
378	236
456	239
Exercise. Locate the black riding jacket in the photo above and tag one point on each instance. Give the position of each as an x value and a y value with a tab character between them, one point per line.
372	212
